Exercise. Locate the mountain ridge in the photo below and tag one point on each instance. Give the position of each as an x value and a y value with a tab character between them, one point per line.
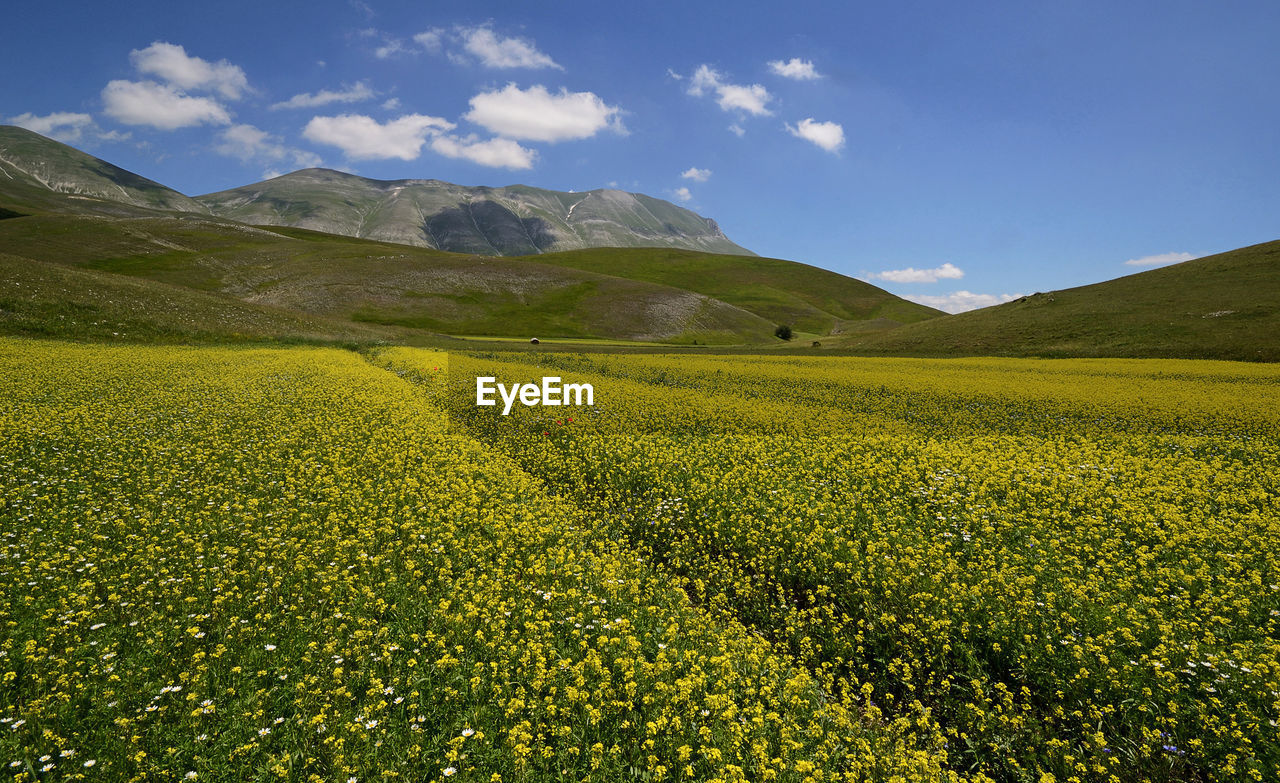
505	220
31	163
41	174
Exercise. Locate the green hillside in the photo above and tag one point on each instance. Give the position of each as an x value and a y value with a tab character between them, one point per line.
1225	306
49	300
357	281
785	292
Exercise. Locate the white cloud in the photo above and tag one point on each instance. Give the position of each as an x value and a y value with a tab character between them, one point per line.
538	115
68	127
1160	260
696	174
827	135
160	106
391	104
390	48
465	45
947	271
362	137
752	98
748	98
683	194
705	78
64	126
498	153
962	301
356	92
247	142
253	144
431	40
737	130
172	64
795	68
495	52
673	75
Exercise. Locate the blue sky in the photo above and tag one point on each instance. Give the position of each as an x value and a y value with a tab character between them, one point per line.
954	153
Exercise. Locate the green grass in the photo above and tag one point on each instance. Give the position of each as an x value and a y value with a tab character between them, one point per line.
807	298
554	311
47	300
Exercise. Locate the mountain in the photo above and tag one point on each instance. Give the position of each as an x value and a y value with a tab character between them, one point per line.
91	250
1224	306
508	221
33	167
40	174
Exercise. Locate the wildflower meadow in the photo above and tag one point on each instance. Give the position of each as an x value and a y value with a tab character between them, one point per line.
314	564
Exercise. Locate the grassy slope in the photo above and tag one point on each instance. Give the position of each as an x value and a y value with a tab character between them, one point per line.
50	300
21	198
1225	306
358	280
806	297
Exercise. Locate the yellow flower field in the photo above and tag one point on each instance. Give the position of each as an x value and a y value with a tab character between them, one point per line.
308	564
1067	568
261	564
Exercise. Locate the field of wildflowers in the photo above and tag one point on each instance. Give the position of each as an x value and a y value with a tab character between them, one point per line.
286	564
306	564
